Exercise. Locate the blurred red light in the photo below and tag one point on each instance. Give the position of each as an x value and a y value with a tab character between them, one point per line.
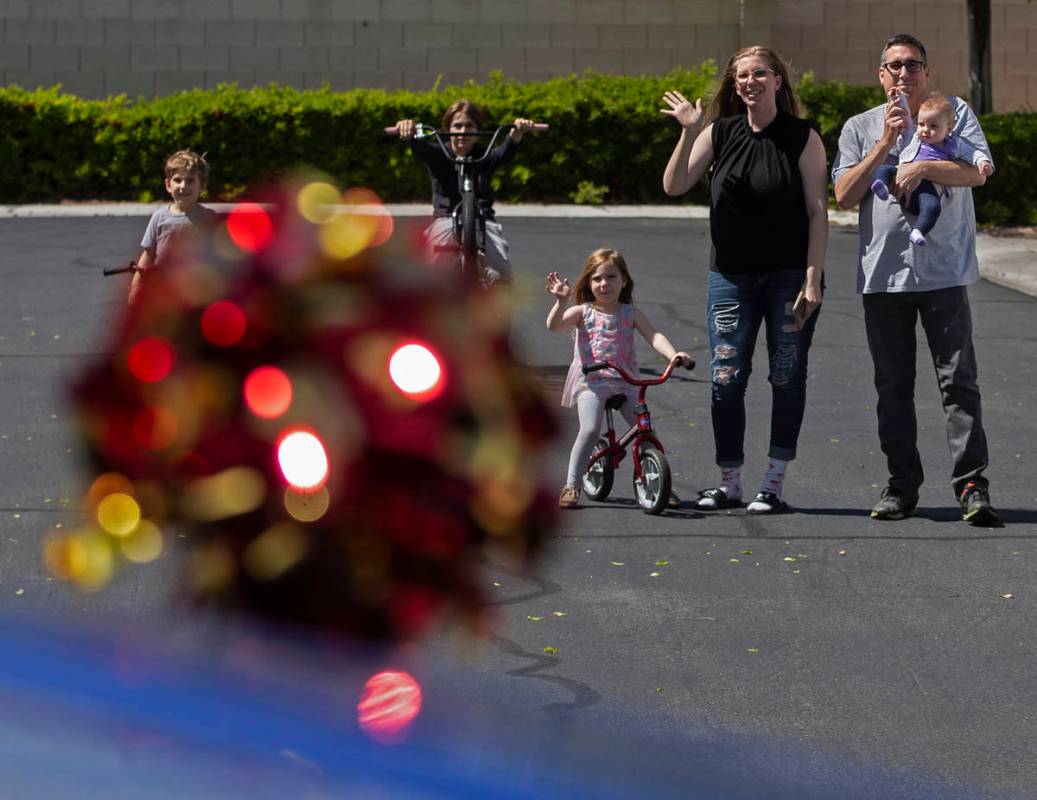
223	323
416	371
249	227
268	392
303	460
150	359
390	703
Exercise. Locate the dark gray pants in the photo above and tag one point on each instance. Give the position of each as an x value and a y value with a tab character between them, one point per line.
890	321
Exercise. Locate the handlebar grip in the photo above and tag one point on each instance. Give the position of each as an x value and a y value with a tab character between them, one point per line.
690	366
540	126
588	368
393	130
131	267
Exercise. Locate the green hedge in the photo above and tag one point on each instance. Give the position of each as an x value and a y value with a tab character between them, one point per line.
607	143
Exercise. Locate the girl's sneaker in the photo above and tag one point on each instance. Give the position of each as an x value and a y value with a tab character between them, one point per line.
569	498
880	190
917	238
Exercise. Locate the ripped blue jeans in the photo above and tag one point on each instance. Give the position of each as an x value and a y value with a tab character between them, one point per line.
736	305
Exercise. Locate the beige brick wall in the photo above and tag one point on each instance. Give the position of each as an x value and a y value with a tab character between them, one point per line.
148	47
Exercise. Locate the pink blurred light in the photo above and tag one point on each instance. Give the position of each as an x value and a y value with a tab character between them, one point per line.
268	392
389	705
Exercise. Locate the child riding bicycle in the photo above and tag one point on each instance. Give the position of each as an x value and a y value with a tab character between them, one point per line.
465	118
604	318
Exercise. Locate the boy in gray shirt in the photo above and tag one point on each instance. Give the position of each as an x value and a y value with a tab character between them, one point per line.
900	284
186	176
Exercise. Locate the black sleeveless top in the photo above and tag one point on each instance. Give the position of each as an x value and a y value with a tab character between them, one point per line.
758	217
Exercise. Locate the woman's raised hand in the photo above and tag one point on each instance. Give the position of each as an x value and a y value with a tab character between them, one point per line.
558	286
688	115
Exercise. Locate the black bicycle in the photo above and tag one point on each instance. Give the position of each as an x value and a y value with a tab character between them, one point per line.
469	219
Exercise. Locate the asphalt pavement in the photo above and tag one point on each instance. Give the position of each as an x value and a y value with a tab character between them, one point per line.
838	656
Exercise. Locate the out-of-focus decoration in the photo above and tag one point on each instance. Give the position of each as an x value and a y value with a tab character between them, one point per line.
337	429
389	704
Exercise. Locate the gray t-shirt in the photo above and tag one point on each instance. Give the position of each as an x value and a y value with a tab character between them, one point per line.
887	261
166	225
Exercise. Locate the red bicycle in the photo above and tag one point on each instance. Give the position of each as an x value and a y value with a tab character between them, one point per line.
652	480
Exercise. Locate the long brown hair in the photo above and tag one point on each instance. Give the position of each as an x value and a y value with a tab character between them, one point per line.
727	103
603	255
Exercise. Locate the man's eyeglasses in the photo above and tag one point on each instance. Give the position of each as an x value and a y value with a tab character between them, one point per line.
758	74
893	67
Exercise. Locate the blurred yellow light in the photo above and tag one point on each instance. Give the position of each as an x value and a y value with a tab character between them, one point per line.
90	562
144	545
275	551
234	491
307	507
345	235
118	514
316	201
57	556
212	567
105	484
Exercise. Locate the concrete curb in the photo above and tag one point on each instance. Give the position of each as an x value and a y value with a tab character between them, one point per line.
1008	261
504	210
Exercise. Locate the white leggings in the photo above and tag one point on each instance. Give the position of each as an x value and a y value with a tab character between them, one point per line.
590	407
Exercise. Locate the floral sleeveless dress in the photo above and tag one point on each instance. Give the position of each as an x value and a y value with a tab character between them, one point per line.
602	337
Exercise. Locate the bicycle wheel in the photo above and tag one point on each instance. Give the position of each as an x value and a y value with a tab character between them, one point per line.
469	247
653	490
597	480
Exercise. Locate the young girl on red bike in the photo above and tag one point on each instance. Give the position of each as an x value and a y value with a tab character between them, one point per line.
464	117
605	319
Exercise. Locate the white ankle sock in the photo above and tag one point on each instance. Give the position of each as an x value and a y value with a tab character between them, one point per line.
774	478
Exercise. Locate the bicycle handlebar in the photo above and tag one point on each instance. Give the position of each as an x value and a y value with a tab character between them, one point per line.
588	368
537	126
131	267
